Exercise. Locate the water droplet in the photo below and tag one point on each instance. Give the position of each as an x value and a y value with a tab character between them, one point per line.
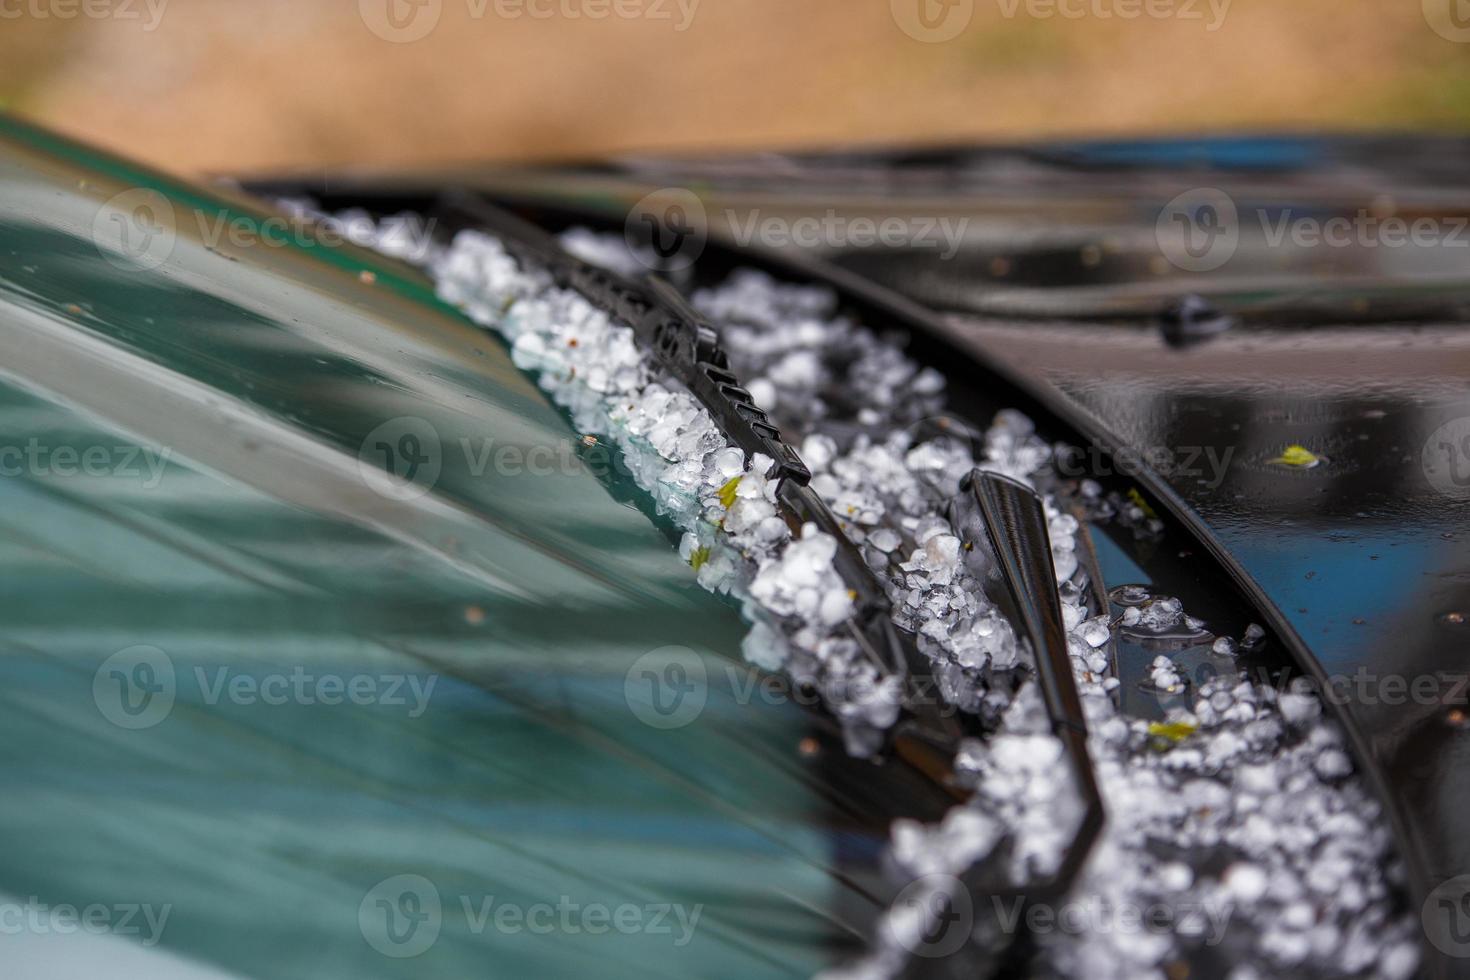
1130	595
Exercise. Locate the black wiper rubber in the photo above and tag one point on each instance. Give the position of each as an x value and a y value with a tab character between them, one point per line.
684	343
687	345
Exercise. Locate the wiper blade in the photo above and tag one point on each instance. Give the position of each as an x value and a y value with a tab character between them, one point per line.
686	344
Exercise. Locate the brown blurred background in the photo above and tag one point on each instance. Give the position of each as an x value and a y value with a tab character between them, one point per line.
248	85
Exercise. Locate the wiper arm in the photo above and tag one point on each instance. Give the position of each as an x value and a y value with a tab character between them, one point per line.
686	345
1014	522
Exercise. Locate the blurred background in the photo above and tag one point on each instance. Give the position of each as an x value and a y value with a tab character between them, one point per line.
222	85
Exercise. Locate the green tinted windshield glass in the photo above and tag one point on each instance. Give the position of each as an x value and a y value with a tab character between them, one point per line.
331	649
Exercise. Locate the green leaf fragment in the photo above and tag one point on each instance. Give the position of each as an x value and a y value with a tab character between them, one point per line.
698	557
1173	731
727	492
1137	500
1299	456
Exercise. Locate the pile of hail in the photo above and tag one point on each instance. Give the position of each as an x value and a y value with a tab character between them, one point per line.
1239	824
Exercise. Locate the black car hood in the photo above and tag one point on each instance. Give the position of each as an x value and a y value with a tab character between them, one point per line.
1359	551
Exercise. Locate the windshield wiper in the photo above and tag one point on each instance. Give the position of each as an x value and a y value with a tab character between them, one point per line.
990	511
